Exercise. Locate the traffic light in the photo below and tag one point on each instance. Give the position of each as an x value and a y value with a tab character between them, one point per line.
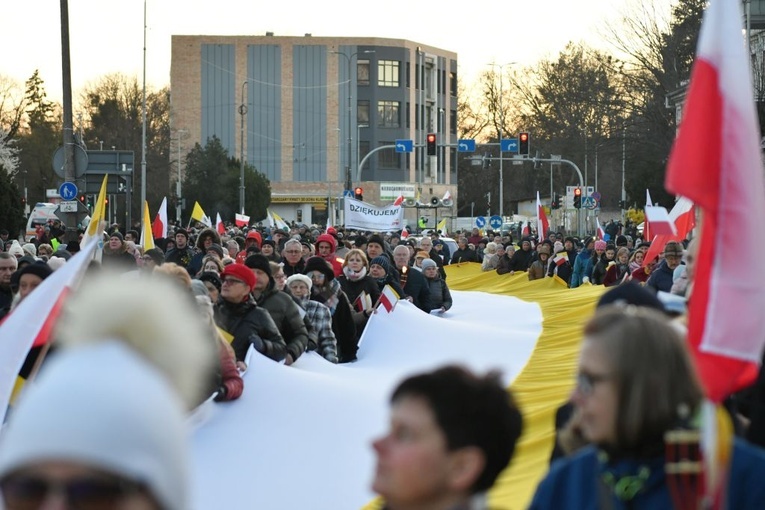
431	144
82	198
359	193
523	144
577	198
555	202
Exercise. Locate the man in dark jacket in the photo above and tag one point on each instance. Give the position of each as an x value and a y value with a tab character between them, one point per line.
292	258
522	258
463	253
284	311
238	314
415	285
182	253
662	277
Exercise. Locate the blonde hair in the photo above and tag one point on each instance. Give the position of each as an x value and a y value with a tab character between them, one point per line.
358	253
174	270
655	379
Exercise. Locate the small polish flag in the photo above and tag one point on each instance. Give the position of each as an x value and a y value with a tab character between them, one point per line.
389	298
159	226
220	227
661	223
399	200
447	196
561	258
404	234
241	220
599	233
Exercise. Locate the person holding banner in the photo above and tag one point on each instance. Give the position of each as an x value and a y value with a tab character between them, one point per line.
360	287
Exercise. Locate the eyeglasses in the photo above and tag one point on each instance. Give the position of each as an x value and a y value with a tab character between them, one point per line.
316	275
28	492
231	281
147	258
586	382
280	276
293	251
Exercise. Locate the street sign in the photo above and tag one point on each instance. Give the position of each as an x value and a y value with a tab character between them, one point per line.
466	145
589	203
68	191
480	222
348	193
508	145
404	146
495	222
68	207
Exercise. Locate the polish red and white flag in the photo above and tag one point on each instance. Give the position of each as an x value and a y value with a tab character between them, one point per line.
716	162
159	226
219	226
241	220
399	200
542	224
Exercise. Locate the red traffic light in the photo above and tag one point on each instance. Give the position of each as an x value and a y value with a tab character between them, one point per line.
431	138
578	192
524	137
358	191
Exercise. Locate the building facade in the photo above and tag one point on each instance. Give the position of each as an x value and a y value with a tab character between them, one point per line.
317	114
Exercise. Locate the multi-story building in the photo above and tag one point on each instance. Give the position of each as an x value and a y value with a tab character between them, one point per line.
312	113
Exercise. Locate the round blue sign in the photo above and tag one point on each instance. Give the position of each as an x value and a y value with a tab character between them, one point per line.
495	222
480	222
68	191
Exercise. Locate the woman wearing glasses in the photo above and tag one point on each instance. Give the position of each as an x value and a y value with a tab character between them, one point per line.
636	383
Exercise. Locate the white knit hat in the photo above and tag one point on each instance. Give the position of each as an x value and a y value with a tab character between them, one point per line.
16	250
299	278
104	406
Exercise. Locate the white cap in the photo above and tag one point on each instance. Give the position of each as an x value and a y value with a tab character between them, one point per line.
104	406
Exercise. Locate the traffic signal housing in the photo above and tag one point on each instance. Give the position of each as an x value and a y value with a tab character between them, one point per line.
555	202
358	193
431	144
577	198
523	144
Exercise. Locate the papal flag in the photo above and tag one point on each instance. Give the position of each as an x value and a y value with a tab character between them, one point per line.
388	298
147	237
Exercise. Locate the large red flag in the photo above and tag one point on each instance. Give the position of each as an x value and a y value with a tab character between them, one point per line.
159	227
716	162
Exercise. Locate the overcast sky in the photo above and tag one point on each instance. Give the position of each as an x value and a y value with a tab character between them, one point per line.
107	36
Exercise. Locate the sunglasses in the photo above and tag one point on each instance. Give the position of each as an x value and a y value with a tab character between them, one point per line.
29	492
586	382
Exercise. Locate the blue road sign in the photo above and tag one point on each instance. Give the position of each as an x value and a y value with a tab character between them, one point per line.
509	145
495	222
480	222
589	202
68	191
466	145
404	146
349	193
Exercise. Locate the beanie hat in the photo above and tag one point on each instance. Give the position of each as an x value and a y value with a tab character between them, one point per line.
16	250
382	261
600	244
182	231
217	249
558	246
544	249
360	241
56	262
39	269
254	234
241	272
107	400
258	261
117	234
209	276
621	240
30	249
156	255
268	242
429	263
321	265
630	293
377	239
300	278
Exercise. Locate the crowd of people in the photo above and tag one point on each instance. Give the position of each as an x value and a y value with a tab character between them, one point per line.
282	293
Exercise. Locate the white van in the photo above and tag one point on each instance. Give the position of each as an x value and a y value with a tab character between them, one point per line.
42	212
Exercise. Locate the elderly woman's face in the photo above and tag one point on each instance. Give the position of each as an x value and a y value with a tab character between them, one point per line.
595	395
299	289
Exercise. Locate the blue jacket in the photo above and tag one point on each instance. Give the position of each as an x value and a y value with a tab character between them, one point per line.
573	483
661	278
580	264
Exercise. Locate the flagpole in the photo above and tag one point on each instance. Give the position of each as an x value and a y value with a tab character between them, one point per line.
143	127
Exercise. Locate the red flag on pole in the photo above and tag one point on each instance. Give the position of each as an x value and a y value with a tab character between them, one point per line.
716	162
542	223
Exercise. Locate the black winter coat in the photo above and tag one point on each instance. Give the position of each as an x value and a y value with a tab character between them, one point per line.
250	325
286	315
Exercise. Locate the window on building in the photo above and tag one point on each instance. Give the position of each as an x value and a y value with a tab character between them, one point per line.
408	114
388	158
453	84
408	75
387	73
388	114
453	122
362	72
362	111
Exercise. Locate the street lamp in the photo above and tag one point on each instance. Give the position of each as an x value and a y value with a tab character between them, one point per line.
358	145
242	113
350	110
178	183
499	133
